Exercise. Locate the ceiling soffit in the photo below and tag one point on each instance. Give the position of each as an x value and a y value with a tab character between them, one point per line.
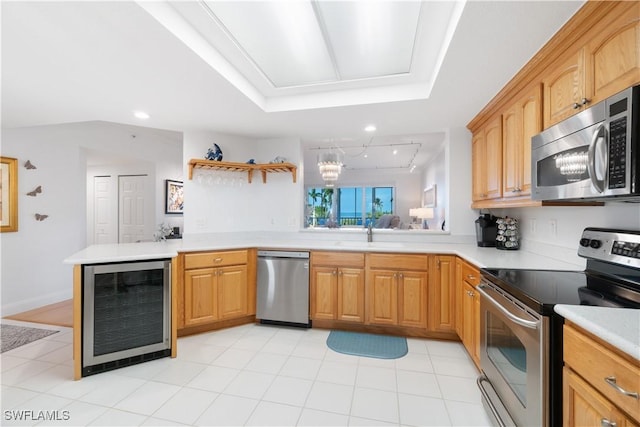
314	54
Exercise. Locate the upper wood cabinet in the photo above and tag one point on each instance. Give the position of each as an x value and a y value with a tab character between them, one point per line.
565	89
593	56
520	123
487	161
612	55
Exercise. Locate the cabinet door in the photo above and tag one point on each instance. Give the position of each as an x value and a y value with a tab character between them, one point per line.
478	165
442	308
382	297
493	159
471	321
200	296
412	296
459	292
520	123
613	56
584	406
323	292
232	291
350	304
564	90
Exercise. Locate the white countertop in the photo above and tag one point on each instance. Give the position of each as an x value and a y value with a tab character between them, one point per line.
481	257
619	327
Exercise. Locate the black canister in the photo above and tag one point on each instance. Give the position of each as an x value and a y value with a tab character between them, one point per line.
486	230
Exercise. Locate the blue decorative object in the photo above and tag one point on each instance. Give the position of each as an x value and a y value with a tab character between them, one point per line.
214	154
367	345
251	162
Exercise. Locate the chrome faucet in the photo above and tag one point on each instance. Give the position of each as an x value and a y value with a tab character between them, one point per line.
370	232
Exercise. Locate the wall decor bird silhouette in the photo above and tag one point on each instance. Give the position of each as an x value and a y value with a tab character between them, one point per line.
35	192
29	165
41	217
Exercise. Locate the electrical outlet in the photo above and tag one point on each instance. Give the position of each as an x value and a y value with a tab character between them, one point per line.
553	227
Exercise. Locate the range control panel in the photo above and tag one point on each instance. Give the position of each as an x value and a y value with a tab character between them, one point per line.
616	246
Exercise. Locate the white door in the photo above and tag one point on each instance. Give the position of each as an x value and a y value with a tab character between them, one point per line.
105	214
133	209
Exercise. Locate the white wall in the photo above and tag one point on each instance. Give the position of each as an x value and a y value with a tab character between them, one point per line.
33	273
435	174
219	207
460	216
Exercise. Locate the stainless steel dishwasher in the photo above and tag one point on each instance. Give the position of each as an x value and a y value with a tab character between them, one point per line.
283	288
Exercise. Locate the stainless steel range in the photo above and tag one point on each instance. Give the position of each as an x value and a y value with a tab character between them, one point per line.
521	336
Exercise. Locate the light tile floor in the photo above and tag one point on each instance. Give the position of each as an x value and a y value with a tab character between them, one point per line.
248	375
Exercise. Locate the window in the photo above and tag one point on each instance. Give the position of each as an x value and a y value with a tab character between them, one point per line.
347	206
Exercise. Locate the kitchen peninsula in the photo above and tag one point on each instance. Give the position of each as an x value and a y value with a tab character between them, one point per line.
232	244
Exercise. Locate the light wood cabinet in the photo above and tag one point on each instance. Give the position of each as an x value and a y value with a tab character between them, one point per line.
442	296
613	53
337	286
468	307
597	381
216	286
584	406
396	291
565	89
596	54
520	123
487	161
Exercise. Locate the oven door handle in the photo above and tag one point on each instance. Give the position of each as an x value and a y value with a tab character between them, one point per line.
522	322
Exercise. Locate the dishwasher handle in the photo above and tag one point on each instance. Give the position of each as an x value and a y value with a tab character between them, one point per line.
283	254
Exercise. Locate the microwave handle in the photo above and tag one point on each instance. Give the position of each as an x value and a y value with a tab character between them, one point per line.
599	184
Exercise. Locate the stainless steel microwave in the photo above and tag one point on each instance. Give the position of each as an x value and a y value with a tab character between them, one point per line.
592	155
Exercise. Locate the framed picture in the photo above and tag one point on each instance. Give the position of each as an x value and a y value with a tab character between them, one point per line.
430	197
174	198
8	194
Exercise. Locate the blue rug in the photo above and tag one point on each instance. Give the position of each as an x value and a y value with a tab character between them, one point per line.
367	345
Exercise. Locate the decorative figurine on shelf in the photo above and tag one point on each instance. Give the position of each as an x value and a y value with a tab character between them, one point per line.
279	159
214	154
251	162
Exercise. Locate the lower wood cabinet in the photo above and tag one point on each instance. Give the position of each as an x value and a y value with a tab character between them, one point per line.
442	296
397	290
599	382
216	286
337	286
468	308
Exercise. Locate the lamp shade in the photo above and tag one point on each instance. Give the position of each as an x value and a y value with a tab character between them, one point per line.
424	213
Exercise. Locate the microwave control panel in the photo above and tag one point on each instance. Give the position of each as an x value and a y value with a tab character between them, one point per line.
617	153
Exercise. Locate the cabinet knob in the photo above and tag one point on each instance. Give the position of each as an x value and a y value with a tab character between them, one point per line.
334	272
340	273
217	260
471	277
606	423
585	101
576	106
401	275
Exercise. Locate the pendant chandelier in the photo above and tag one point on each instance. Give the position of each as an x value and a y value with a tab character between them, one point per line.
330	166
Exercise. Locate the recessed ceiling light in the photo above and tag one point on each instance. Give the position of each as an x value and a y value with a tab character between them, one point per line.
395	152
141	115
370	128
366	155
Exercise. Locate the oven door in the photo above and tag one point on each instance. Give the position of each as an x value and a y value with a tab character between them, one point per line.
512	359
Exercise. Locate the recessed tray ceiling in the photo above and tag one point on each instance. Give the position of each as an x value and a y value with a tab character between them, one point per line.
286	55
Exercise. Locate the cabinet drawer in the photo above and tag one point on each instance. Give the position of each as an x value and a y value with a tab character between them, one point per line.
214	259
594	362
338	259
398	261
470	274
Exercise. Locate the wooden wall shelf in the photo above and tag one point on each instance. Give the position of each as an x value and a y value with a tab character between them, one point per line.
243	167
